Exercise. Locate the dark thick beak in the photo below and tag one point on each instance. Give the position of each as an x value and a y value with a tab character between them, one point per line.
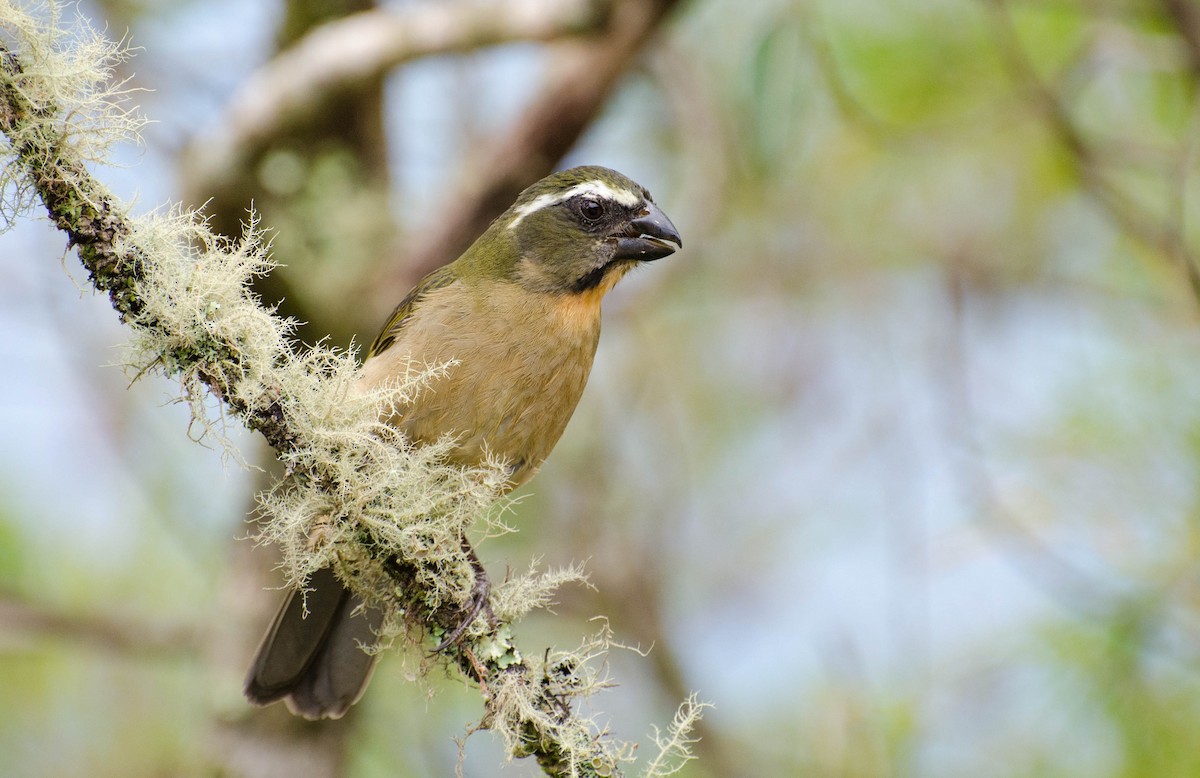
649	236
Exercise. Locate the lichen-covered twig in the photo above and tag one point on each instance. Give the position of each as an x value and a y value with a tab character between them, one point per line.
390	514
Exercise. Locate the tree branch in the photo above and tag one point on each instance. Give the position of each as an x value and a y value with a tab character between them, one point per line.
1186	16
340	56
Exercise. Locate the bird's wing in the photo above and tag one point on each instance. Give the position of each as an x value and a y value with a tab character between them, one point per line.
442	277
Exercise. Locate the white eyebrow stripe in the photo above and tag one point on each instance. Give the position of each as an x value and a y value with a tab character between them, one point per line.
596	188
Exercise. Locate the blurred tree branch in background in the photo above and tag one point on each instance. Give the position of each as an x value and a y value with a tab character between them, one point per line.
1096	161
24	621
349	54
314	167
1187	18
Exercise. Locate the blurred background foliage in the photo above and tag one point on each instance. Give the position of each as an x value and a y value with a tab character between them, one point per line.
896	463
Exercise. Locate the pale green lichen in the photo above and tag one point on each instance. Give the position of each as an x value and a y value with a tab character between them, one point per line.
72	70
675	745
513	599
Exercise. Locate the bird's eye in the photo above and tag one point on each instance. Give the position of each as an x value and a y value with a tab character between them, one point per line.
591	210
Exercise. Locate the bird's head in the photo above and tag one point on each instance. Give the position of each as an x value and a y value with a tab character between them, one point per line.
577	231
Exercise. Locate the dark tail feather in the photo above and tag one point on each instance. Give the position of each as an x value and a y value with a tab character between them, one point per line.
315	663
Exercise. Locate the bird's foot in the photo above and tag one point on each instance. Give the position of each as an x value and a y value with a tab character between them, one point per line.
481	592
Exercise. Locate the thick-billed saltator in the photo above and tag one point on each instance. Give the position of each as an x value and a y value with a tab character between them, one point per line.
519	314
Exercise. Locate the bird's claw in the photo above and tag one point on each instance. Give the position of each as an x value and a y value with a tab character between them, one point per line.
481	593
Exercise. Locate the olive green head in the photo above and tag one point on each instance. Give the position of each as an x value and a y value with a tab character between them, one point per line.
574	231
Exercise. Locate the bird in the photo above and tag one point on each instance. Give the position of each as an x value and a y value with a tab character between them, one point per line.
519	314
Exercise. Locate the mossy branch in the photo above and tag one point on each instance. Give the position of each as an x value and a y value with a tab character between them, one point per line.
389	515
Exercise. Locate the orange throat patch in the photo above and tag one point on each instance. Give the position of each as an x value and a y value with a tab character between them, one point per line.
582	309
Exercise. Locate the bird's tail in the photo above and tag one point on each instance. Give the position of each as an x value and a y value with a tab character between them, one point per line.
312	655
